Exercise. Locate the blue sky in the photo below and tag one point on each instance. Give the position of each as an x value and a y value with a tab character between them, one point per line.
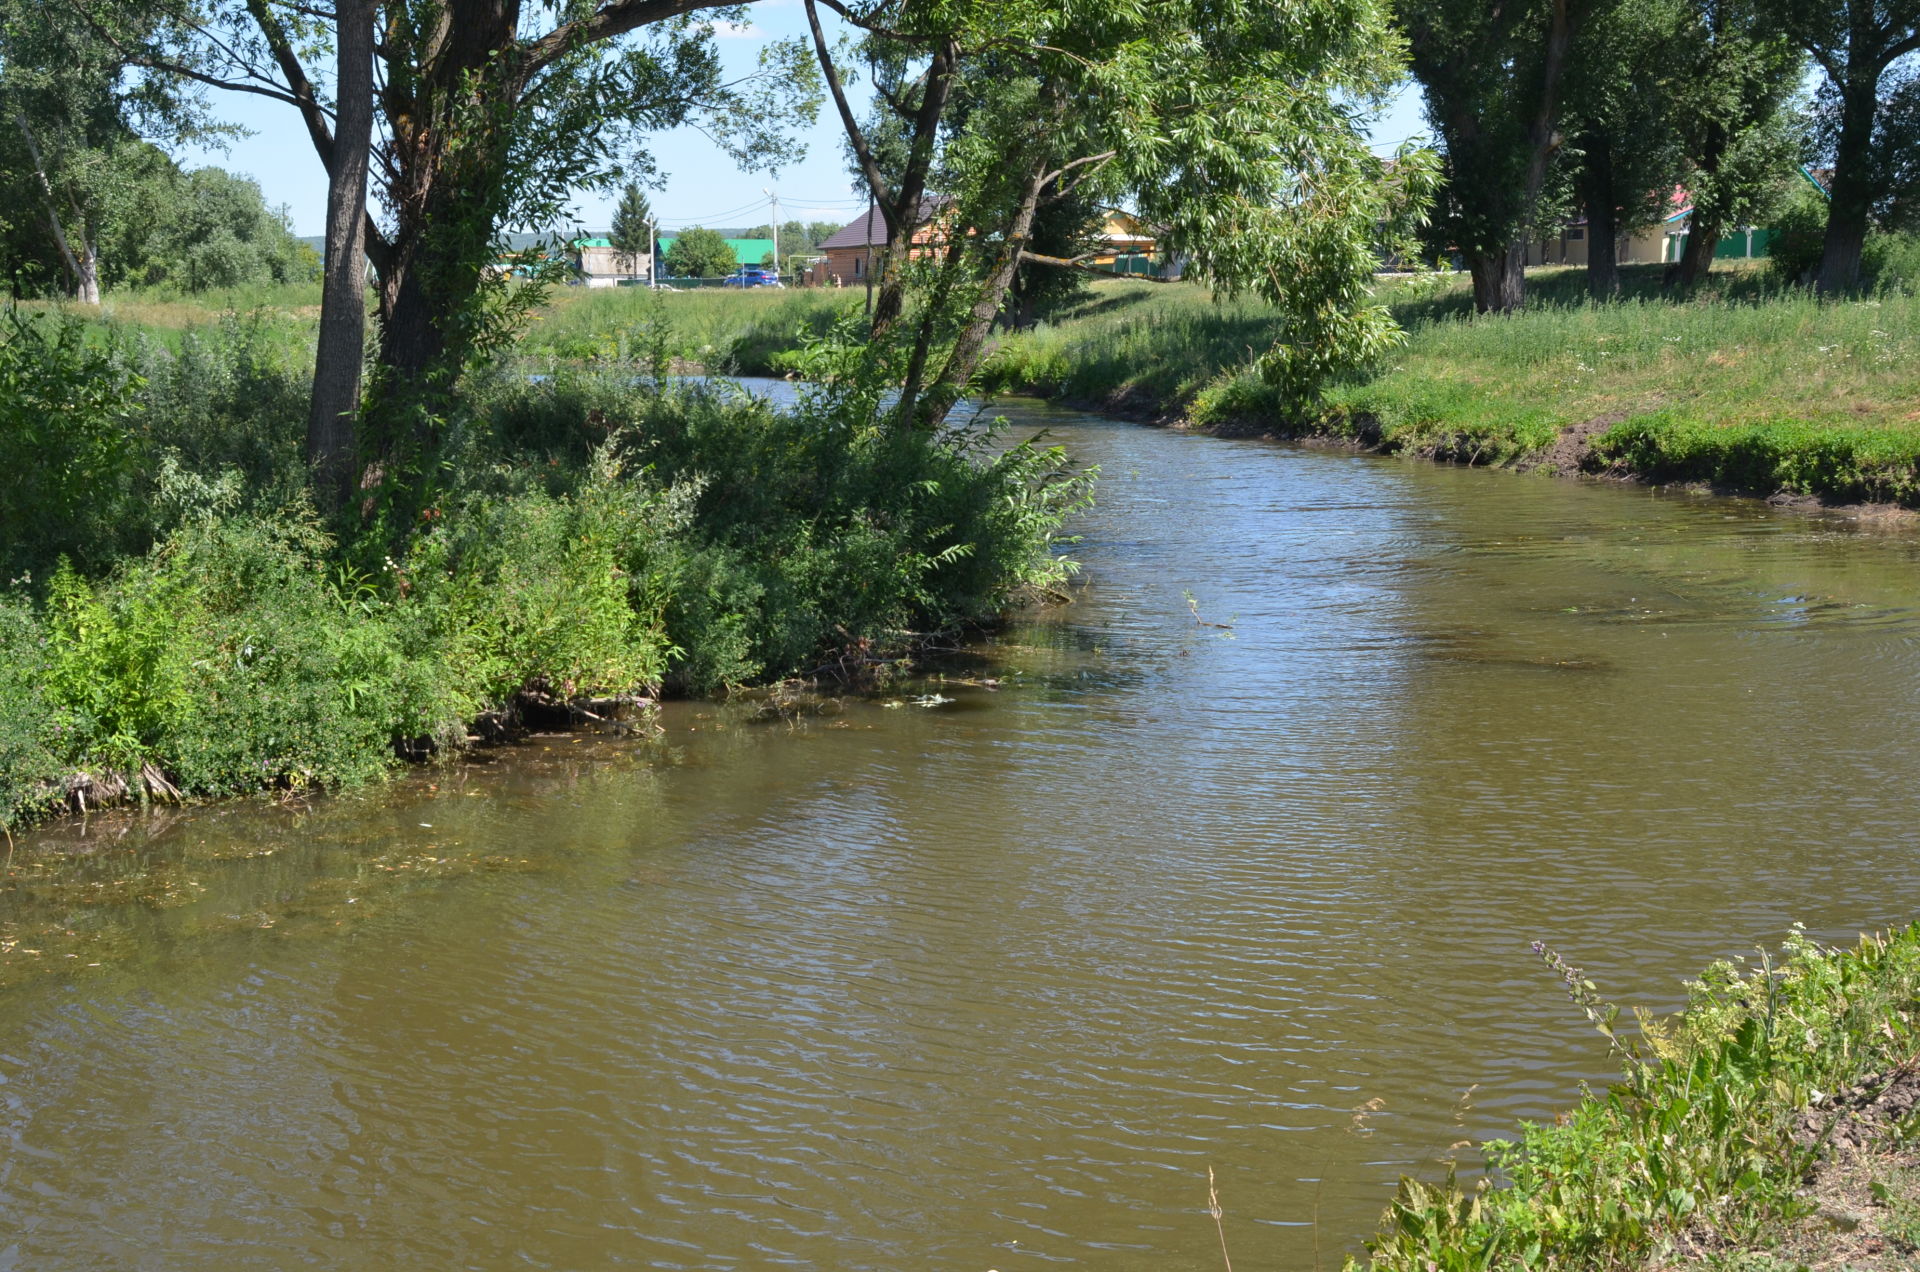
701	186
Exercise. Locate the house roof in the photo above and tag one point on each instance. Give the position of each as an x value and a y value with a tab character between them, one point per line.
745	251
870	230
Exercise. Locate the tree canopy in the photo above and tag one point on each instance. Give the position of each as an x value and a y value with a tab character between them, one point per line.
489	118
1866	116
700	253
77	118
1229	124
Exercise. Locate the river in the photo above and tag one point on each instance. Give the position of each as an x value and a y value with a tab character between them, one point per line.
1231	863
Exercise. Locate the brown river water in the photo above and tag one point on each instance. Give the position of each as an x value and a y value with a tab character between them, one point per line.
991	983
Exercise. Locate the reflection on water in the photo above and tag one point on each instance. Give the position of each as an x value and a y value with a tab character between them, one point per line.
1234	864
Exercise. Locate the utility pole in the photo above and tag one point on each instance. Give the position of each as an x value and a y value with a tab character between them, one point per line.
776	231
653	256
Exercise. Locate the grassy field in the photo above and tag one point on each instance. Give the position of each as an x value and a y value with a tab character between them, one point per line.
721	329
1747	385
738	331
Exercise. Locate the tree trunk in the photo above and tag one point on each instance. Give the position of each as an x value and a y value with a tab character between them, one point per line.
1499	279
1543	139
1499	270
1696	259
1603	228
928	329
971	345
447	190
905	219
341	349
1850	203
1707	222
86	287
53	211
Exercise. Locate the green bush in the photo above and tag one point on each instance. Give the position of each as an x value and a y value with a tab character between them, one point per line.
31	744
780	534
533	589
233	396
1887	259
600	531
66	418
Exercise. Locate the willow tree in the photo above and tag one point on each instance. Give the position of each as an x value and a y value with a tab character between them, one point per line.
1232	126
1736	79
486	115
1867	50
1494	78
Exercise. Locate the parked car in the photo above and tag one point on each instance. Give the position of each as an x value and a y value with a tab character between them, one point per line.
754	276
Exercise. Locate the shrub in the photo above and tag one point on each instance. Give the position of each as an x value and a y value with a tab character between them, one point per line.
595	532
532	589
65	413
234	395
30	741
777	534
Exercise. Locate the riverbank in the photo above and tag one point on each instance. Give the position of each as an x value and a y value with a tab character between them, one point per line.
1748	388
1775	1125
182	624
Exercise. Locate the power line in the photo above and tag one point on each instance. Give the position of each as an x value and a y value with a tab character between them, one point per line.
797	205
717	216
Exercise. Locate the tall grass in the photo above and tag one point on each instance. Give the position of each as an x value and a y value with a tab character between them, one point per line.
1750	383
1700	1145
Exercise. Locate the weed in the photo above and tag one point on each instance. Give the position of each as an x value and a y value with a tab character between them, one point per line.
1698	1136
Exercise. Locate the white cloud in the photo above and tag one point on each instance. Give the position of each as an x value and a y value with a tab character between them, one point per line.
736	31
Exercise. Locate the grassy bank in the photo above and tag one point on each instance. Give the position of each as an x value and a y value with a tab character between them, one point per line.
730	331
178	620
1774	1126
1749	384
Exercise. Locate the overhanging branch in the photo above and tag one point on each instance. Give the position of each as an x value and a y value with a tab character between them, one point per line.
1079	263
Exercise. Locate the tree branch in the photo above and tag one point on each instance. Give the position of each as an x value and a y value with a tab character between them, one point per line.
876	183
847	16
46	189
299	84
611	19
1065	168
1078	262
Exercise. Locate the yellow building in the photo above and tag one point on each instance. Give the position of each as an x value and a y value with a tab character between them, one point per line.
1650	246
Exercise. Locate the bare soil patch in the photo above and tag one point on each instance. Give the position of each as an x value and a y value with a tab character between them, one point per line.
1572	451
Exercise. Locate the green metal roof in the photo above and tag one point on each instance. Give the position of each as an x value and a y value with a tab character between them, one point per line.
593	242
745	251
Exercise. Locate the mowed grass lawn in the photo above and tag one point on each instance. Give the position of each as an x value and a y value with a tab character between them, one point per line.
1747	384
